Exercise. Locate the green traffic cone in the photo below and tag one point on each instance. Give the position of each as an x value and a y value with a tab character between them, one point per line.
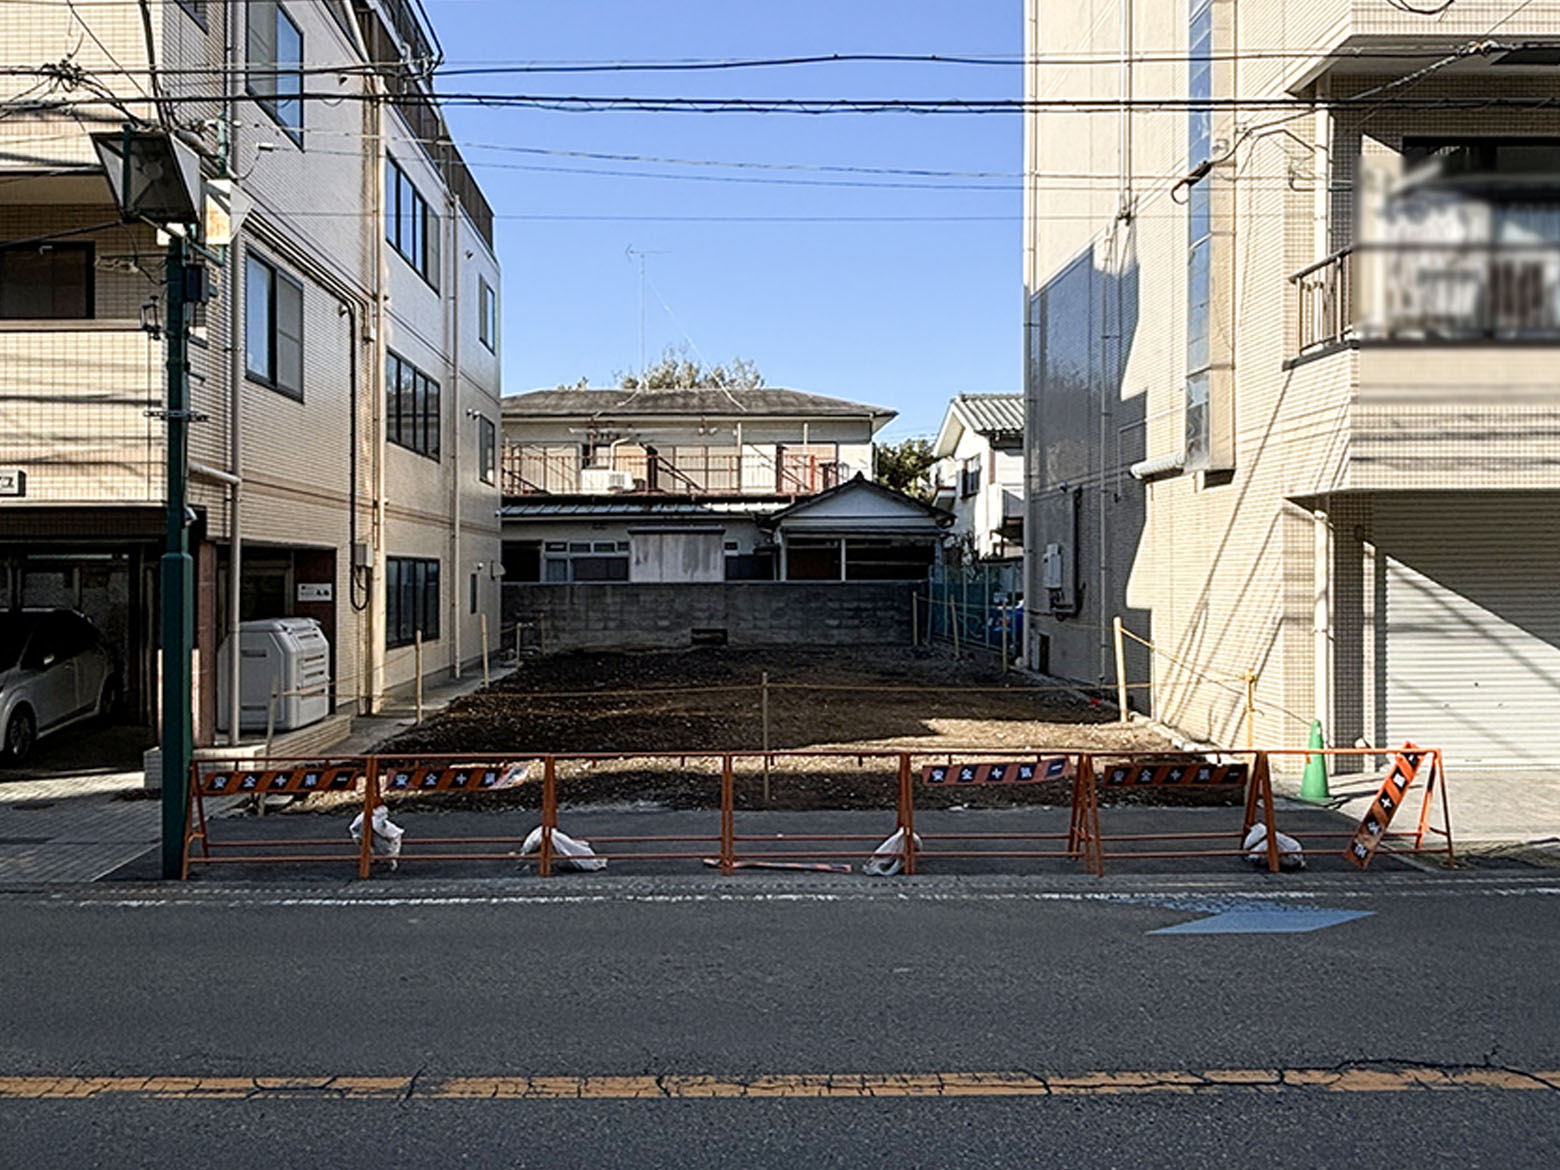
1313	785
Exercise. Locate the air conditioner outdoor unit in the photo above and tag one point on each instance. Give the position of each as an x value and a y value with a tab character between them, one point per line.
605	479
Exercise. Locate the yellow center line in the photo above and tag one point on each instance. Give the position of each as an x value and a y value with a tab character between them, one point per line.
1348	1079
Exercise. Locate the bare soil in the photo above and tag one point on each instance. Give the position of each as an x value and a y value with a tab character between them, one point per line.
820	698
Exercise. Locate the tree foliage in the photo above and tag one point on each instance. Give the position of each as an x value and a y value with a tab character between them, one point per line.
675	370
906	467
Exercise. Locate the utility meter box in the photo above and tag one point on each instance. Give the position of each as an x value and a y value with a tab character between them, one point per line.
287	657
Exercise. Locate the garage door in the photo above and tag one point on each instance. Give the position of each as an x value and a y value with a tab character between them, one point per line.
1473	624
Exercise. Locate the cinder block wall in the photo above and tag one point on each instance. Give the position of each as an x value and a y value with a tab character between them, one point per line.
753	613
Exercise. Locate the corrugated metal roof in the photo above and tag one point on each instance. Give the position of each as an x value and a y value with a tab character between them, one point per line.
990	414
764	401
553	506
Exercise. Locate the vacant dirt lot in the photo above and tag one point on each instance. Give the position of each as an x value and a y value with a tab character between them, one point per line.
709	700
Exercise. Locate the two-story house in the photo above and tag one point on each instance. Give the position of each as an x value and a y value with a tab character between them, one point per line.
979	474
345	372
1290	365
702	485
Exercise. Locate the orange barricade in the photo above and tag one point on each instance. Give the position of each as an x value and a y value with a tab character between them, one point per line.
1163	770
376	778
968	769
1373	835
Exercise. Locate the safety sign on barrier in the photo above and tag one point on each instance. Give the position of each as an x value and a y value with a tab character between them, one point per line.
1013	772
468	778
1367	838
1189	772
280	780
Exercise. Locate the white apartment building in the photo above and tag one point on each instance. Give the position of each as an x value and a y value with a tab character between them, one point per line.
979	474
1292	404
345	373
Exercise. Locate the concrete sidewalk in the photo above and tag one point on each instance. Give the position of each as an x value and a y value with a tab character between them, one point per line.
64	826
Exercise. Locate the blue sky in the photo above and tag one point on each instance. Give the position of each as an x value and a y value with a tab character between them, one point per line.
899	313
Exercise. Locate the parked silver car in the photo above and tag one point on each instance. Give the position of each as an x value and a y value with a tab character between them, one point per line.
55	670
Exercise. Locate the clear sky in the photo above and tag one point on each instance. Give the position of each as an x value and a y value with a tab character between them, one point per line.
900	296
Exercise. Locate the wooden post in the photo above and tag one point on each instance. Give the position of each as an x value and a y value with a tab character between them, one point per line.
953	622
915	618
486	678
1004	637
763	706
417	670
1251	709
1121	667
370	797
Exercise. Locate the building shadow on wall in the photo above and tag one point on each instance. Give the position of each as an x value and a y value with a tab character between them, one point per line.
1086	427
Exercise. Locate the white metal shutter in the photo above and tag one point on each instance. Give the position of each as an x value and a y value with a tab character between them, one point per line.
1472	624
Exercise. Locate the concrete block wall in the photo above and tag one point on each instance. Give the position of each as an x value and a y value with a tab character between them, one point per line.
752	613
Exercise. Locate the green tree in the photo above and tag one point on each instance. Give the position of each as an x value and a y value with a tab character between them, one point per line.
906	467
677	371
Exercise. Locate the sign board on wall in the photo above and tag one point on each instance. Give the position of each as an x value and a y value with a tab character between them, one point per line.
316	591
13	481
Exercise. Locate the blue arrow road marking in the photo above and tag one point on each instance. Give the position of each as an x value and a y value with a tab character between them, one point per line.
1264	918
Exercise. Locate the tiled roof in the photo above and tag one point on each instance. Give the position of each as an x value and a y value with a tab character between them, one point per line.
765	401
990	414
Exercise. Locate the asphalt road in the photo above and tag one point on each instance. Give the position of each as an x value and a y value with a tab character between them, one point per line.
753	980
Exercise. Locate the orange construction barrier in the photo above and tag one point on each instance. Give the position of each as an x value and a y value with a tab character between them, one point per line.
1159	770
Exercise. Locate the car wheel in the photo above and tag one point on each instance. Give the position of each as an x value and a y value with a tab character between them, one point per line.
20	735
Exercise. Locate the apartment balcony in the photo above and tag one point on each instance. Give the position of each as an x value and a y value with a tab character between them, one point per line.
1430	292
531	469
1423	365
74	411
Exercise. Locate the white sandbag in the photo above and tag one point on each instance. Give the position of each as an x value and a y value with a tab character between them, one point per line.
387	834
568	852
888	858
1290	855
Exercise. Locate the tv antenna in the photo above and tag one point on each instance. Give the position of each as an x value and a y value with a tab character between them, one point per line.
641	255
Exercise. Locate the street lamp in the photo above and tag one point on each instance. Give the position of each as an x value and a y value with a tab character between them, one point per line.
155	178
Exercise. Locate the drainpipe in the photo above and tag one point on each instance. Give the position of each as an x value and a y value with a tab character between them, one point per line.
457	569
235	395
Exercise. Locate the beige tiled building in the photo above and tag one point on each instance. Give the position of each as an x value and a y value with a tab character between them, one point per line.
346	370
1293	365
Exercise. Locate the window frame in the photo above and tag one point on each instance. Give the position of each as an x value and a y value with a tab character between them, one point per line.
415	579
87	251
487	449
277	278
421	247
487	314
266	92
427	400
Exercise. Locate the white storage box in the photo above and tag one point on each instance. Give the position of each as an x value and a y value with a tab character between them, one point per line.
289	654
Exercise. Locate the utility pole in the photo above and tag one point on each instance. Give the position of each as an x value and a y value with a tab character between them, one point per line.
178	571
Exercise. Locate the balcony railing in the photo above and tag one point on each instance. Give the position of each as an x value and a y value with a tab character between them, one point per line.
1430	292
533	469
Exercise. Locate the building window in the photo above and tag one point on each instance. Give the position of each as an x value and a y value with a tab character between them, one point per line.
275	56
273	328
411	600
411	407
410	225
1199	233
487	320
557	570
969	477
487	449
46	282
196	9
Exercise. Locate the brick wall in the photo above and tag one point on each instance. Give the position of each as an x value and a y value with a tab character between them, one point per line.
754	613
